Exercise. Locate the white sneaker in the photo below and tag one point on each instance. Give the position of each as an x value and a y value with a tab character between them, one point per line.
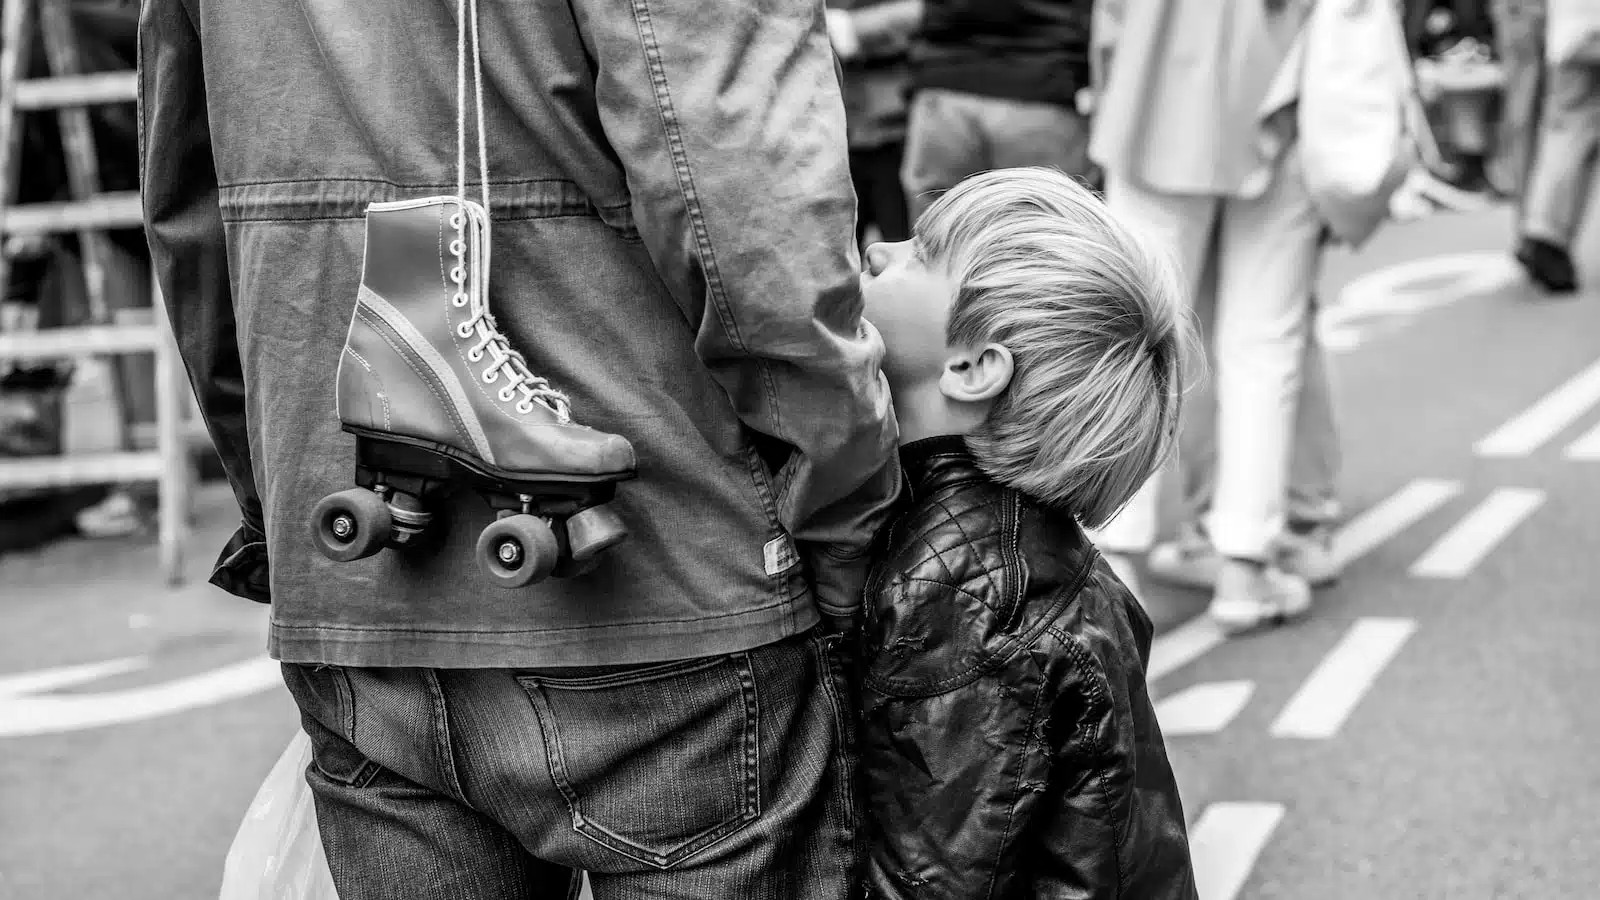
1249	596
1191	561
1310	555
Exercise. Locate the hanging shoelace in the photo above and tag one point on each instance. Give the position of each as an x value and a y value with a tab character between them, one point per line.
472	281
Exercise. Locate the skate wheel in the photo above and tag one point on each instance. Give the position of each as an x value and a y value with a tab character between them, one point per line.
518	550
593	530
351	525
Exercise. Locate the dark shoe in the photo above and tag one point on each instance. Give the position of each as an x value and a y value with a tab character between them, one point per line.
1548	265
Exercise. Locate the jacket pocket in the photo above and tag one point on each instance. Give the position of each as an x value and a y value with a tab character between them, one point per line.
656	763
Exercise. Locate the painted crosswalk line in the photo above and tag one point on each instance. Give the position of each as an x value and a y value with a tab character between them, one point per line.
1461	548
1402	509
1226	842
1326	699
1530	429
1203	708
1182	645
1587	447
1361	535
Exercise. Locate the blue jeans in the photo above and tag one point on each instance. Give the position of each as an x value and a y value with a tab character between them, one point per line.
729	776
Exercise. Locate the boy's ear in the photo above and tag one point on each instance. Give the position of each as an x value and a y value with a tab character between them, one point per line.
977	375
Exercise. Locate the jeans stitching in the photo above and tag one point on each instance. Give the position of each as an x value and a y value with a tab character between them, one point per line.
842	729
443	746
752	738
534	686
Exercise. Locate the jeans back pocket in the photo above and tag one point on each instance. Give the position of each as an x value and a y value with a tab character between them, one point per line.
656	762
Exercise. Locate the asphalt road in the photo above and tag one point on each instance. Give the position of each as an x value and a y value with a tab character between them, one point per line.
1427	732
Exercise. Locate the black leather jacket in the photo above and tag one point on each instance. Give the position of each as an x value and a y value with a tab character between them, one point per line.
1010	748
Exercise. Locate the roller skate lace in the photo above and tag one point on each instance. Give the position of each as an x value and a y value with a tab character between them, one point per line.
472	280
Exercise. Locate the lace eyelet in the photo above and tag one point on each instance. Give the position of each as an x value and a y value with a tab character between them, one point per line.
525	407
507	394
460	299
475	355
458	275
456	221
458	247
464	330
490	376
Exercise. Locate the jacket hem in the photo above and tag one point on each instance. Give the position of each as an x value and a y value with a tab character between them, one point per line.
605	645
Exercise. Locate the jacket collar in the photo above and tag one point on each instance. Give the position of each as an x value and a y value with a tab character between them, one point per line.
938	462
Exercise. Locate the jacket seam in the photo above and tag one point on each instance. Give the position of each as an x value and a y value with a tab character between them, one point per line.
715	290
1098	692
1009	648
1011	811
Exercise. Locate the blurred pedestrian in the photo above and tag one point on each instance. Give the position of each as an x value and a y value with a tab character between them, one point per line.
1561	179
1519	39
871	38
1193	156
995	85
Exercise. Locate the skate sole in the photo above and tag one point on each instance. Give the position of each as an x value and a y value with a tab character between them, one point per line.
398	454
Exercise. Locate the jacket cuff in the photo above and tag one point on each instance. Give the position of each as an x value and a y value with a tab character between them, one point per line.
839	580
241	568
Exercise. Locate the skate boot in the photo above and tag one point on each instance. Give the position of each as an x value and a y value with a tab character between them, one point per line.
434	393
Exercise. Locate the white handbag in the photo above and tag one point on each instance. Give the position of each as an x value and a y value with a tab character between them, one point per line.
1359	120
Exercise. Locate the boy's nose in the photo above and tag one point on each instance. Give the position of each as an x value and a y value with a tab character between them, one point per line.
877	258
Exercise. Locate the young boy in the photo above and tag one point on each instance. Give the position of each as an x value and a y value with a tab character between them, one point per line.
1010	749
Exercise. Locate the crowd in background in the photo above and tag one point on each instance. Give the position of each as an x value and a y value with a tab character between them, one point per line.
1160	103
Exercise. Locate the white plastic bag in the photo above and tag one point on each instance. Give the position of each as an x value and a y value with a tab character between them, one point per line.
1572	31
1358	117
277	854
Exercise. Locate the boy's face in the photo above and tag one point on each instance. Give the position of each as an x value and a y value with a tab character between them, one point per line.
909	299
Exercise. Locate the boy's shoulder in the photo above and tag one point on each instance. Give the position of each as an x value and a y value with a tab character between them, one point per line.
971	571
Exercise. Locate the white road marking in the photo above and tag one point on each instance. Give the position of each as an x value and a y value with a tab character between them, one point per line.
1226	842
1420	284
1388	294
1342	678
67	676
1198	636
1183	645
1203	708
1528	431
1587	447
1475	536
1395	514
24	711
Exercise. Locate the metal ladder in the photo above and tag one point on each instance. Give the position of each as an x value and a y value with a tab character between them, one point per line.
90	212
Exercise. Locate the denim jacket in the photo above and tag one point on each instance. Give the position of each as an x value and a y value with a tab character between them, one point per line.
1010	749
673	223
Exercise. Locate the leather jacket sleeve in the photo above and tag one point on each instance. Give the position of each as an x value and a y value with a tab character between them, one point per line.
1116	828
727	118
183	225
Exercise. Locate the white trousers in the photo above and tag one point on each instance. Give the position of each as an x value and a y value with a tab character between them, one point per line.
1563	168
1266	250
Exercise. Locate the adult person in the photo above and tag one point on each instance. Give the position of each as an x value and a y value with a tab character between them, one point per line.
1519	40
673	250
1562	177
872	38
995	84
1192	157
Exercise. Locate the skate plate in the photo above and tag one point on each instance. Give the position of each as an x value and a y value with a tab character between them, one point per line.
421	467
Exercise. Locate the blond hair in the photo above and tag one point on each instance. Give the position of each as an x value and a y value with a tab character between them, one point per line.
1096	324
